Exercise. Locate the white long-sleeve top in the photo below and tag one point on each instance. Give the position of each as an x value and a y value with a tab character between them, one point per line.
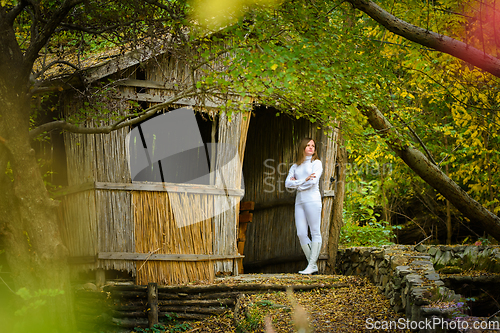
307	191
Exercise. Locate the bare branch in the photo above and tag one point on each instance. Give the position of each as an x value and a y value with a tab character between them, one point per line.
427	152
164	7
89	30
448	155
125	121
42	38
45	68
14	12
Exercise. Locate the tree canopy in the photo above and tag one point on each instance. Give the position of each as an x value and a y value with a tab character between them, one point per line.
347	67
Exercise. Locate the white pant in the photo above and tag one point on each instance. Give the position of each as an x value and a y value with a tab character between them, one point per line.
308	214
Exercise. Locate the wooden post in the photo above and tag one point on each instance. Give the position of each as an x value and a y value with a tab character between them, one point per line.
100	277
152	304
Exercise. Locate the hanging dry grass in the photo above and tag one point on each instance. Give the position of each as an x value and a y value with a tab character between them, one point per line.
157	231
228	176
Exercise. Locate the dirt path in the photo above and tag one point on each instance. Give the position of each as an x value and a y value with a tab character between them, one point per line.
344	304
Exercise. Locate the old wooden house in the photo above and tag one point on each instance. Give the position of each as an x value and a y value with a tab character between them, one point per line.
170	231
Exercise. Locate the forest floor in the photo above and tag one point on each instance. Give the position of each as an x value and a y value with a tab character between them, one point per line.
342	304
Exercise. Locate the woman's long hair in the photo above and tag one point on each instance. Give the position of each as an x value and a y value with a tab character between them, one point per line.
301	156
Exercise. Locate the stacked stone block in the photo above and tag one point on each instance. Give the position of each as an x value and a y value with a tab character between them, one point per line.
464	257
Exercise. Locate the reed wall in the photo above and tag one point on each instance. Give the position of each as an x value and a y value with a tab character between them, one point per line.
228	175
96	220
136	221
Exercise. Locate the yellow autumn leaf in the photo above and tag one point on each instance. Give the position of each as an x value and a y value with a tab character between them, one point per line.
273	67
483	98
476	142
479	188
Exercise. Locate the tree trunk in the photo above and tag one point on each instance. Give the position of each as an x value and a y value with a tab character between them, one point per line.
336	221
432	175
34	249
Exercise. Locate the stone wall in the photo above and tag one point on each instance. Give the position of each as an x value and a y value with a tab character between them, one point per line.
408	278
461	258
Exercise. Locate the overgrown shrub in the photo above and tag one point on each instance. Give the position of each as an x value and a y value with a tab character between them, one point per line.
374	233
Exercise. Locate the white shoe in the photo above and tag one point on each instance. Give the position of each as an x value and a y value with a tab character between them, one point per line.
312	267
310	270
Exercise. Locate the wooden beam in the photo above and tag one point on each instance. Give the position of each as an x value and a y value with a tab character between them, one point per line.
329	193
202	294
100	277
146	84
145	97
158	187
242	231
198	189
164	257
119	62
152	304
159	85
75	189
241	246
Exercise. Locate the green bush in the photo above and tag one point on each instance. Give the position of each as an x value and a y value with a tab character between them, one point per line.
374	233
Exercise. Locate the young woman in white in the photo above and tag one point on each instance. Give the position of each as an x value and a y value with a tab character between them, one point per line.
304	176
